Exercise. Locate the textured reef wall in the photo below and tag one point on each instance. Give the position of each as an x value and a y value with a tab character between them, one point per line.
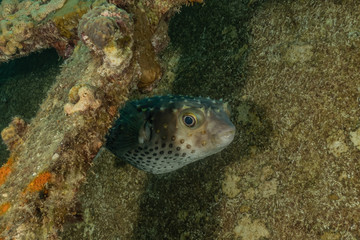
50	155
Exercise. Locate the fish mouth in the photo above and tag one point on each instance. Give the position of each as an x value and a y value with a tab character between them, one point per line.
223	139
228	136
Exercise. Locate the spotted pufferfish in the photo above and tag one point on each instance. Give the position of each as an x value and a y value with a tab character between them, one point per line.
164	133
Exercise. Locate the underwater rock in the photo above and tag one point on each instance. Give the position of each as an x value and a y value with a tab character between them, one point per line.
108	32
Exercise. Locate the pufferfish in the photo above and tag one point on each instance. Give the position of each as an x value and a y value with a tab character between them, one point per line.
164	133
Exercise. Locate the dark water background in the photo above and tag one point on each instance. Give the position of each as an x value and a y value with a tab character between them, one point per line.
24	83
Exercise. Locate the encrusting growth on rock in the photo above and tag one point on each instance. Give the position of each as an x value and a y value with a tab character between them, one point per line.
108	32
86	101
13	134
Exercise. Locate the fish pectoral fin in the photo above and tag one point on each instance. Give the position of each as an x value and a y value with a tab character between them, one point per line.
124	134
145	133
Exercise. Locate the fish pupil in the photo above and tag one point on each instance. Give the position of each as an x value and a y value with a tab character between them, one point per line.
189	120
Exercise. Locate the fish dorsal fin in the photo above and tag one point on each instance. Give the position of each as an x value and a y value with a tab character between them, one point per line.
125	133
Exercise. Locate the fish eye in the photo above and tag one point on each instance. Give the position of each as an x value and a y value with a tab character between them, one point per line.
189	120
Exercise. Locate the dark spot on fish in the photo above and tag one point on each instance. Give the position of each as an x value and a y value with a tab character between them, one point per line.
178	148
192	151
182	141
154	154
142	154
173	138
183	155
146	152
188	146
163	145
161	152
156	148
170	145
169	152
176	154
149	157
163	137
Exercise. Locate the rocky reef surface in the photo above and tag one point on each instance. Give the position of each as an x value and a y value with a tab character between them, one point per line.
289	70
50	155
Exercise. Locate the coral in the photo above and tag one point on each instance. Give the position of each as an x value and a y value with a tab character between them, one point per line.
355	138
13	134
41	11
4	207
8	7
336	143
67	18
38	183
5	170
145	27
251	230
25	26
122	3
108	32
86	100
229	185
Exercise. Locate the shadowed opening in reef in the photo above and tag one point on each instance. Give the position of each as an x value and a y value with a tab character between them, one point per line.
213	42
24	83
